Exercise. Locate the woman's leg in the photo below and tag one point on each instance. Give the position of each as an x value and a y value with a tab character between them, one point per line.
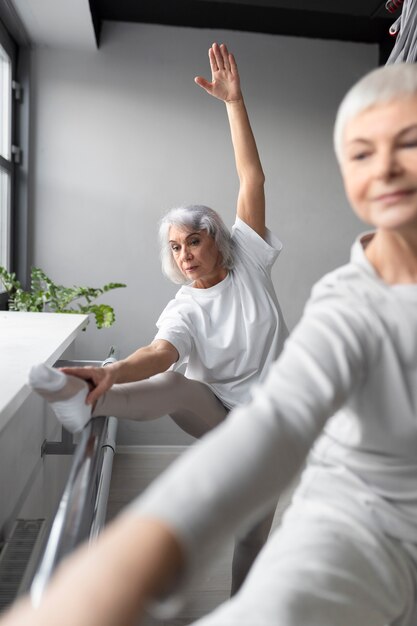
247	549
319	571
195	409
191	404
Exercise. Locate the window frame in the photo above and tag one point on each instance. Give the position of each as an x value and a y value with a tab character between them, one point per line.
10	166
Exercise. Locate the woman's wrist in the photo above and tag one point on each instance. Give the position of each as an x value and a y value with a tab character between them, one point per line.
115	370
235	102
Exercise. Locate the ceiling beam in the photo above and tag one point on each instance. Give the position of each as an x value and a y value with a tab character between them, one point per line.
244	17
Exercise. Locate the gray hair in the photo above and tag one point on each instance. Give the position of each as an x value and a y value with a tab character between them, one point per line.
381	85
197	217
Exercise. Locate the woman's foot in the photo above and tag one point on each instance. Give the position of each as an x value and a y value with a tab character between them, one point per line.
66	395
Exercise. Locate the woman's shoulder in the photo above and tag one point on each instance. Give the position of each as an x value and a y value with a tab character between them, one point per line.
352	299
251	249
349	281
181	305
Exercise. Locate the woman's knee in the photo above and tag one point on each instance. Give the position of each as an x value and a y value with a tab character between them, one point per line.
169	380
171	377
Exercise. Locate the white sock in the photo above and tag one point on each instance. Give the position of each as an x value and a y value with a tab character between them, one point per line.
66	395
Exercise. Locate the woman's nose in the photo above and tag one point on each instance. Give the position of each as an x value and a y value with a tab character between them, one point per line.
186	253
387	165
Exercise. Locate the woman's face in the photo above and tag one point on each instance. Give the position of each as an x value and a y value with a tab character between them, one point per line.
196	256
379	164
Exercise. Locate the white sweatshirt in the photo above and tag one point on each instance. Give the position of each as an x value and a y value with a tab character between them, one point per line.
346	383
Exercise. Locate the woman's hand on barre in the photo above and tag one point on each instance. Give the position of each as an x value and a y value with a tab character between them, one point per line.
225	82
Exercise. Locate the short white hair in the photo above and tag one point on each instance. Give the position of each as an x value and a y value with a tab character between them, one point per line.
381	85
197	217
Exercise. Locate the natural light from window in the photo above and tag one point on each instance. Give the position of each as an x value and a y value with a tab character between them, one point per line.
5	103
5	154
4	218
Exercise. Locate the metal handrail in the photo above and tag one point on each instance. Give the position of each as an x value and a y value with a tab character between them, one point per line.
82	510
100	508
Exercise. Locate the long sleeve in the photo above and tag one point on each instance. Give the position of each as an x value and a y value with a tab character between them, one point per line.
224	482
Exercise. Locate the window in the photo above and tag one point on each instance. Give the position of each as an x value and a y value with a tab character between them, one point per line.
7	166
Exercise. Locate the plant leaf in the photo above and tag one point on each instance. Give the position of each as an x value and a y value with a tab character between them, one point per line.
45	294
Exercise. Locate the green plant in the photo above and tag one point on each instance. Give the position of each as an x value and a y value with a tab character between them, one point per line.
45	295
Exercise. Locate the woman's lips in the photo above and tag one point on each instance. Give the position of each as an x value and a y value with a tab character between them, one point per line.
393	196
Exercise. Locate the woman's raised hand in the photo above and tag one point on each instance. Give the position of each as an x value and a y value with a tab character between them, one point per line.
225	83
99	379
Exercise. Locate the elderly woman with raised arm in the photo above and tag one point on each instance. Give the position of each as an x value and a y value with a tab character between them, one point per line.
224	324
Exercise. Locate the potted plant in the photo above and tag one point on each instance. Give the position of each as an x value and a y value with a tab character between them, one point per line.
45	295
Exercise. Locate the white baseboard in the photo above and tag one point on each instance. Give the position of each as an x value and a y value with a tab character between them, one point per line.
151	449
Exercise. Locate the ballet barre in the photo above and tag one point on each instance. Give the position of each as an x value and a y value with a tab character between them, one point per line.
82	510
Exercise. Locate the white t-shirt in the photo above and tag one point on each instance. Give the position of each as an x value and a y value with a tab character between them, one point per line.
230	333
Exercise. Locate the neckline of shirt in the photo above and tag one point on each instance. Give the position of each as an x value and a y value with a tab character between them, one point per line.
359	257
210	291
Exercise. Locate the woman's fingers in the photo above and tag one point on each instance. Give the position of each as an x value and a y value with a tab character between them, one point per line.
86	373
225	56
213	61
100	379
98	391
203	83
103	382
218	56
233	65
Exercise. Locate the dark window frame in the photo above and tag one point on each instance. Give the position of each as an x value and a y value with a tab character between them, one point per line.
19	52
9	166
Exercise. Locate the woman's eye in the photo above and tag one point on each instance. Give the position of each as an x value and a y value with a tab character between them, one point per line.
359	156
195	242
175	248
409	144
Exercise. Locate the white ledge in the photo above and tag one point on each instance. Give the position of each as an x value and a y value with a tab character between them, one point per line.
27	339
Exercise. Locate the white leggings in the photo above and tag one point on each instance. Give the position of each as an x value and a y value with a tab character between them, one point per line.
327	565
197	410
191	404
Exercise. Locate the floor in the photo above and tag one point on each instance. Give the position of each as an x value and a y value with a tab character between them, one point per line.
134	467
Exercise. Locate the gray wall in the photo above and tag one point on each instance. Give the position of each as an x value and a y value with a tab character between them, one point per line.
122	134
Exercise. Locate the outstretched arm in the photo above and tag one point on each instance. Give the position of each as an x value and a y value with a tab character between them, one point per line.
109	582
143	363
225	85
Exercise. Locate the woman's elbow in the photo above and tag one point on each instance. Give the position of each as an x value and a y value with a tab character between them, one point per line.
254	179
